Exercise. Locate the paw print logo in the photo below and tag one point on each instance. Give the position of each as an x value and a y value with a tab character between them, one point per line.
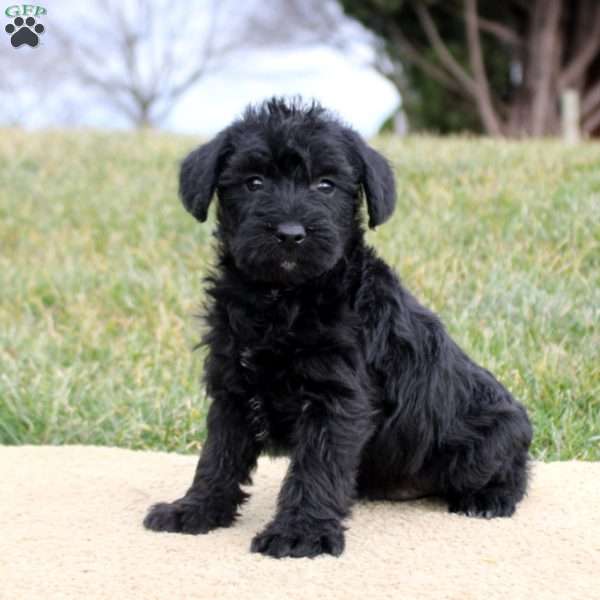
24	32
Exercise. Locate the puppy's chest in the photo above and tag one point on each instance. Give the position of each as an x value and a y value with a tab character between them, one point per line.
274	393
270	344
274	350
271	333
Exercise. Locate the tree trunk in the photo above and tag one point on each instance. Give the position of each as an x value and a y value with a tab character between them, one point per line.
544	54
482	87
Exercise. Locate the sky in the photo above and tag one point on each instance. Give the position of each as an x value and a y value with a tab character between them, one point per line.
344	83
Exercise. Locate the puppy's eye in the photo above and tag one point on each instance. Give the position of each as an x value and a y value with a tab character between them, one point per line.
326	186
254	183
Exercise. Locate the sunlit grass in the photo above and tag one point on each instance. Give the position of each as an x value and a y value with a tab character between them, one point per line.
101	271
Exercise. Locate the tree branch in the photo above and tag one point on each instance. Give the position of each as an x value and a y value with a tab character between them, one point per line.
499	30
416	56
441	49
577	67
502	32
482	89
207	53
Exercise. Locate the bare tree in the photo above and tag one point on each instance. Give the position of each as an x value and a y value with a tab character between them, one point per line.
141	57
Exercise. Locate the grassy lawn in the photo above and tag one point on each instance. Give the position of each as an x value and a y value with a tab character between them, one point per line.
101	272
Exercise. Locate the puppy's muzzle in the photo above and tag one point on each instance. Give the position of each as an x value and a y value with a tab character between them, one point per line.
290	235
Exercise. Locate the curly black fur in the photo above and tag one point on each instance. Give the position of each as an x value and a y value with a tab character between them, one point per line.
317	351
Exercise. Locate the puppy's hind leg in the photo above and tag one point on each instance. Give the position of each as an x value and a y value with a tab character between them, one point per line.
486	474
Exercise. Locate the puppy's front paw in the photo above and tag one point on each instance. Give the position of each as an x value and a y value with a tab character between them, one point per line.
185	517
298	539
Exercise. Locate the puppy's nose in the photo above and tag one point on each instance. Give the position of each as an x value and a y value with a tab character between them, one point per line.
290	234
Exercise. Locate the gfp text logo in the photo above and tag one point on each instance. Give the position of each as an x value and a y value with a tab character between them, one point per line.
24	30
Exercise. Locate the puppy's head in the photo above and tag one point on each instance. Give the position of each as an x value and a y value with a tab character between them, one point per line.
289	179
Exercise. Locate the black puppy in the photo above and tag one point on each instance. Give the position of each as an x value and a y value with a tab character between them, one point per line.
316	350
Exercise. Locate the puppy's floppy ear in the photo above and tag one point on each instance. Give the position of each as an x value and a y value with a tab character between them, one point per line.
377	179
199	175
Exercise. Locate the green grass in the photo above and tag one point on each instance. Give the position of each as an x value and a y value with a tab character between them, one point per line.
101	271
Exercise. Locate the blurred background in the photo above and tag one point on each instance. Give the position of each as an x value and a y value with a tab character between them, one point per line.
507	68
488	111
